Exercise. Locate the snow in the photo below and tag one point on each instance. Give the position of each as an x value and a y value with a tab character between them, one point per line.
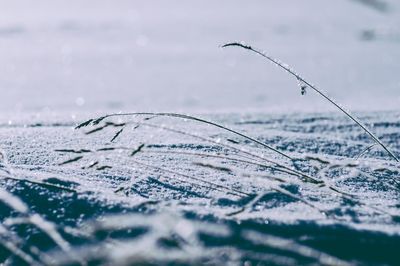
159	189
204	176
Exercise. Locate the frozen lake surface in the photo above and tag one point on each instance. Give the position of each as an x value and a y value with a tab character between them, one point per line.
301	185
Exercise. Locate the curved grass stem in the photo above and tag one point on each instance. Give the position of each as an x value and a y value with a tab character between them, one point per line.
324	95
188	117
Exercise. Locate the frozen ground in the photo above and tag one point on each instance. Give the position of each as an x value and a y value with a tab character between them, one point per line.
197	194
174	191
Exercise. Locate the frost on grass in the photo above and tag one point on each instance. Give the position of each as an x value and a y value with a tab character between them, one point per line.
159	189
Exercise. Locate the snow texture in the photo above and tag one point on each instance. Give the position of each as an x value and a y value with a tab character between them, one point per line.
167	189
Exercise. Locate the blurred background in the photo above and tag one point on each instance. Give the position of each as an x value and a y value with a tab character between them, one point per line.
98	55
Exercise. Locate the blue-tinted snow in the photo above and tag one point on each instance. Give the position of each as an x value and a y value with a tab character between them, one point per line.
203	196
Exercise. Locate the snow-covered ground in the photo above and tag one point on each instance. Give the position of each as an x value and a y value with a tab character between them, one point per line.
158	189
167	189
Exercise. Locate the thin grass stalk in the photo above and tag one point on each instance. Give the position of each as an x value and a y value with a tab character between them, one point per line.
224	188
284	168
216	156
299	78
322	183
332	188
212	185
188	117
40	183
293	171
299	174
279	190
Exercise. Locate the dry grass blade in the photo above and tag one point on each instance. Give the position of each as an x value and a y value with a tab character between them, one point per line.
365	151
73	151
213	167
71	160
117	135
137	150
